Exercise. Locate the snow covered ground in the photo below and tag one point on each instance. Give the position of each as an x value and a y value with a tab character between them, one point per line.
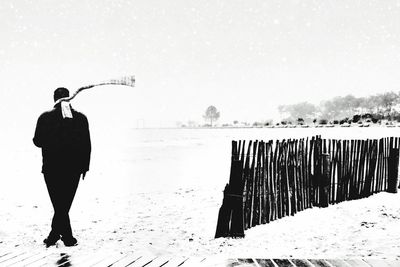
159	191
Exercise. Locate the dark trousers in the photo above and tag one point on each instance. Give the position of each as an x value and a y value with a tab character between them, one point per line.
62	188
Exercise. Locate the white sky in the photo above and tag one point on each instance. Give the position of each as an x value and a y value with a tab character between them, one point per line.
245	57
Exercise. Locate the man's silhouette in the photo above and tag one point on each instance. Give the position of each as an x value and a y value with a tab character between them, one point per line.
66	148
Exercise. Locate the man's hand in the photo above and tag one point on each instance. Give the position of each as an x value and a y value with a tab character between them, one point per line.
83	175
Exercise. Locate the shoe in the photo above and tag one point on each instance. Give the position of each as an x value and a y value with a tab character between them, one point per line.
51	240
69	241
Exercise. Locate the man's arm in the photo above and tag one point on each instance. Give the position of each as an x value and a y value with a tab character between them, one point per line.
86	147
39	132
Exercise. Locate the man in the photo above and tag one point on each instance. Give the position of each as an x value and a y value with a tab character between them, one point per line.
66	148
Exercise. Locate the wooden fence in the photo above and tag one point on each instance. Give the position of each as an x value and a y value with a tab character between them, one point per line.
271	180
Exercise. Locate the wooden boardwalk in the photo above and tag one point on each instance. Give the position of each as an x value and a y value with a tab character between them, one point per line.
80	258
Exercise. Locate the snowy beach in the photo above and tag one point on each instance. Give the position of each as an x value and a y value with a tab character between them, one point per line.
159	191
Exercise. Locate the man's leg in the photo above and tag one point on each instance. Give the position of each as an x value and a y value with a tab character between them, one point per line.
56	224
70	185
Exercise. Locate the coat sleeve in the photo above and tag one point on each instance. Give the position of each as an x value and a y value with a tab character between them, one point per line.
86	145
38	138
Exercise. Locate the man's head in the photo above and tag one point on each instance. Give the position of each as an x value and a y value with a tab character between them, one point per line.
60	92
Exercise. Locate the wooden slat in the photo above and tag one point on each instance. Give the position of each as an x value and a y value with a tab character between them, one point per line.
298	177
346	169
92	260
367	162
51	259
382	165
380	169
334	181
373	167
217	261
267	201
175	262
301	174
159	261
246	198
4	253
192	262
144	261
283	262
387	150
388	147
127	260
271	182
294	178
357	164
19	260
356	263
361	170
36	258
246	262
319	263
316	167
337	262
286	182
84	259
301	263
272	174
111	259
265	263
277	169
340	172
393	263
11	256
357	169
252	183
261	206
377	263
306	168
257	189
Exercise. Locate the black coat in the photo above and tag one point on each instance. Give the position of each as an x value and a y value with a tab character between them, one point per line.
65	142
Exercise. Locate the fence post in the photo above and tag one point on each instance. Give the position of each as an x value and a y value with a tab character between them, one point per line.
326	180
236	198
230	216
393	172
224	216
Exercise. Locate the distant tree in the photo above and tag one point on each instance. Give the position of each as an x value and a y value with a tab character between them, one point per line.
211	114
191	124
323	121
367	104
380	106
341	106
268	122
356	118
300	121
303	110
366	116
388	101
